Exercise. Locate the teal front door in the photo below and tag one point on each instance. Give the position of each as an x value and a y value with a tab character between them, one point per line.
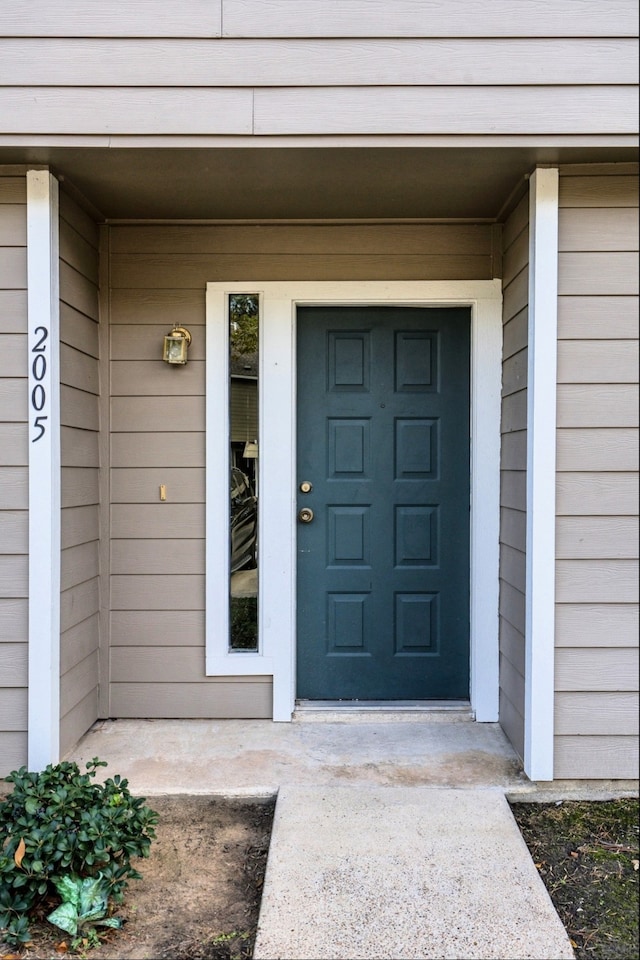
383	503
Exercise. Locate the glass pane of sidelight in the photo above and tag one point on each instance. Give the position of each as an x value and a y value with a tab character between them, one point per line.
243	407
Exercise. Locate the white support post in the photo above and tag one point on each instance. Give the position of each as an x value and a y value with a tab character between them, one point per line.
44	468
541	474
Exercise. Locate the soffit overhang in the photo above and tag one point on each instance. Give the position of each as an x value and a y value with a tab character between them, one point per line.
299	182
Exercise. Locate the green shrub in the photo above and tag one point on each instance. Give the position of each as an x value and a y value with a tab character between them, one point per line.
59	823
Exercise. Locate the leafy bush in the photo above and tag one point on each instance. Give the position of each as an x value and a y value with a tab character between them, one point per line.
59	823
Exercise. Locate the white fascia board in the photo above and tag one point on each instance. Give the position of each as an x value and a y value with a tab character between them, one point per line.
541	474
43	305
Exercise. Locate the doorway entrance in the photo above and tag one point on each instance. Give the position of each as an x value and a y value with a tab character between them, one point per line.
383	502
480	303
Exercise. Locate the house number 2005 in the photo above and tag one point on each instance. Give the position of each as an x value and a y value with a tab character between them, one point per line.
38	371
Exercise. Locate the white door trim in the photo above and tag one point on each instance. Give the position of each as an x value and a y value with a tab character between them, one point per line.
277	466
541	474
43	310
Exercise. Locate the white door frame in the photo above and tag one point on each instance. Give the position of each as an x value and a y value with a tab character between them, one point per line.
279	301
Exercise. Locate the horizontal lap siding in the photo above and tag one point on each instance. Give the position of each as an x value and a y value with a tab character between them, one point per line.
333	18
513	475
596	668
14	456
334	111
158	277
444	18
157	437
449	68
80	497
211	253
64	61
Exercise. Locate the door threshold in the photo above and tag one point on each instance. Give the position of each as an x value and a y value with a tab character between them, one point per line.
387	710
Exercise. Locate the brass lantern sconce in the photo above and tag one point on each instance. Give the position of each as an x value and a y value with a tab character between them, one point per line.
250	450
176	345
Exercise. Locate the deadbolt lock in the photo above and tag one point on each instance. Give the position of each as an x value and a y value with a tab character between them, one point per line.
305	515
306	486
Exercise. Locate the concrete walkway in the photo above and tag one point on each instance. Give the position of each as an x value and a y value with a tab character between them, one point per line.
392	836
402	872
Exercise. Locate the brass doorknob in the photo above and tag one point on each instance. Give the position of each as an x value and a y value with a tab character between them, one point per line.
305	515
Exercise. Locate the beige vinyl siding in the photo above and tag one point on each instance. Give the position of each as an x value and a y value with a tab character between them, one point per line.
439	18
80	532
597	488
447	69
14	458
158	277
332	18
513	474
341	62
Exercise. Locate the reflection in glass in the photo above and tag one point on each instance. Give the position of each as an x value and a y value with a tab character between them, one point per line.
243	365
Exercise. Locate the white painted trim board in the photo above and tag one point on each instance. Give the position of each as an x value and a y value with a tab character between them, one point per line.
541	474
43	740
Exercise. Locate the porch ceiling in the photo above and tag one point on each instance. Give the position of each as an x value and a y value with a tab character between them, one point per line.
301	183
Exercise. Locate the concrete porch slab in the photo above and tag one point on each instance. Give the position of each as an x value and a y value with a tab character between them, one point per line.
260	757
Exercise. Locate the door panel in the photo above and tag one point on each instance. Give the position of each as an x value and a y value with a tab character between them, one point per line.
383	566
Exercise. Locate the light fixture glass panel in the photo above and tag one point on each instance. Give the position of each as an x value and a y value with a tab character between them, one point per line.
243	407
175	349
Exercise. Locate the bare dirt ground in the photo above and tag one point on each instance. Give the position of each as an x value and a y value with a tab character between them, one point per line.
199	898
200	894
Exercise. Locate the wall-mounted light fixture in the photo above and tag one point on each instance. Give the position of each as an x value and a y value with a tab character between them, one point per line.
176	345
250	450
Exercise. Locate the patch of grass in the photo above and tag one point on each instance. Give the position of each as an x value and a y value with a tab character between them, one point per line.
587	855
236	945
